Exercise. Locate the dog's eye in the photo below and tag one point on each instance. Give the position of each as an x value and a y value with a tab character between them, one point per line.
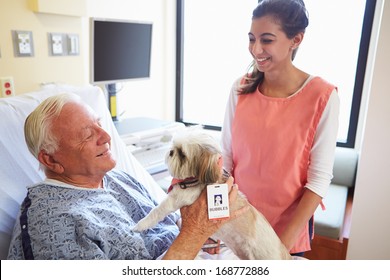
171	153
181	154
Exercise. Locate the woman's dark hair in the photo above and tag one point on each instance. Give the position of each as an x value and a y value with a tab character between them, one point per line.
293	19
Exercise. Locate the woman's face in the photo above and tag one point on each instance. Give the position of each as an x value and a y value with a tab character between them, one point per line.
269	45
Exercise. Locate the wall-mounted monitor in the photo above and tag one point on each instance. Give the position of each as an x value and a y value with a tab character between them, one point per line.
120	50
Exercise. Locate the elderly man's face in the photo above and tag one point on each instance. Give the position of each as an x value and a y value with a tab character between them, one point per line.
84	147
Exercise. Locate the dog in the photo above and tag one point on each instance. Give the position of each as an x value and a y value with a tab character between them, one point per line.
195	161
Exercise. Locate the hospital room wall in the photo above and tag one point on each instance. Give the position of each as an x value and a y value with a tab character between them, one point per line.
154	97
370	226
30	72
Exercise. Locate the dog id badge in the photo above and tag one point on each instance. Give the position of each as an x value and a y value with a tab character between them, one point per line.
218	201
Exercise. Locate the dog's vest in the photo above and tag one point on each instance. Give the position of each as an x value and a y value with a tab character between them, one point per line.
271	143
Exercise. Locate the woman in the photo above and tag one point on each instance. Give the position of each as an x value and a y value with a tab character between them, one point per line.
280	128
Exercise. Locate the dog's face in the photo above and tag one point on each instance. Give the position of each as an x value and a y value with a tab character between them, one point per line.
195	155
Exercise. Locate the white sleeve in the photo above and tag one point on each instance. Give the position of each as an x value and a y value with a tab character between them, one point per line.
226	133
320	170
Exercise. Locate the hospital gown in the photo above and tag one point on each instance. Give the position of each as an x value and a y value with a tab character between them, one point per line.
58	221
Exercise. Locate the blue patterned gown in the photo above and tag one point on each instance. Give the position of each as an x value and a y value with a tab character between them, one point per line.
65	222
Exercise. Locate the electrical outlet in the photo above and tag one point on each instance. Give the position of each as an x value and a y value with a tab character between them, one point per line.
23	43
7	86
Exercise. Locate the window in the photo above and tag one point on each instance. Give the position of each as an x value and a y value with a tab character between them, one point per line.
212	45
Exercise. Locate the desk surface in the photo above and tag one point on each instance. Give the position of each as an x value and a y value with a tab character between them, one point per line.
131	125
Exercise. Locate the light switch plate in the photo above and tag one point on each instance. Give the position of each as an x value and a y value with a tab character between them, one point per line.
73	44
56	43
23	43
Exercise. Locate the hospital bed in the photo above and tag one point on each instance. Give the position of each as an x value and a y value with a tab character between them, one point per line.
19	169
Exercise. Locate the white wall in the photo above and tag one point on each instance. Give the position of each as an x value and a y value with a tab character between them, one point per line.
370	228
30	72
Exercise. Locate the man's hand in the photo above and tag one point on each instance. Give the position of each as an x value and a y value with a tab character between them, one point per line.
195	216
196	227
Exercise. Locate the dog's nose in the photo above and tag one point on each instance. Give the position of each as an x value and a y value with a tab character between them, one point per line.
171	153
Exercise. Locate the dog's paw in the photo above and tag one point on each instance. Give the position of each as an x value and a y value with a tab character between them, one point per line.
140	226
136	228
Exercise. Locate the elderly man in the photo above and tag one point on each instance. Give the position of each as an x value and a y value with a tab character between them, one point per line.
85	208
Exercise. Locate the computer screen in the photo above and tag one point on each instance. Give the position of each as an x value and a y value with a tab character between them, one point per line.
120	50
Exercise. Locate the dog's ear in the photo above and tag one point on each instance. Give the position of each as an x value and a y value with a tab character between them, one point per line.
209	170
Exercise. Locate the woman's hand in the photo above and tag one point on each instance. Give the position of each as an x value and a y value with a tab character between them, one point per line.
211	246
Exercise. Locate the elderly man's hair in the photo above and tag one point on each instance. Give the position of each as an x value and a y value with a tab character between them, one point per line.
38	125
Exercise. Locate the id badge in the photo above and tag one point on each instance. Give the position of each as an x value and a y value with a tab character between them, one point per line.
218	201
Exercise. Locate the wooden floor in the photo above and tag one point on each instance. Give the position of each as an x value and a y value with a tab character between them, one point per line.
324	248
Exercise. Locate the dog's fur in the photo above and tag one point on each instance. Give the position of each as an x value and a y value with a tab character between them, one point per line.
196	154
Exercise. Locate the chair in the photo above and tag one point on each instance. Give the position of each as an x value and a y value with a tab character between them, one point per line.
331	227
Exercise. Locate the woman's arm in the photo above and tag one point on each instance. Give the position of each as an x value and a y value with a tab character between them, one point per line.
320	171
226	133
306	207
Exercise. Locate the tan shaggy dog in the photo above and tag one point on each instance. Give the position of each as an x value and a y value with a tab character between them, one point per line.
194	162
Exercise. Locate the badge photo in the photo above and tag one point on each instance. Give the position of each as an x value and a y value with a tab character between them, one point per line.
218	201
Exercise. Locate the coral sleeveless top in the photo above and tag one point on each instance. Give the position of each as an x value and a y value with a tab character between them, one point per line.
271	143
